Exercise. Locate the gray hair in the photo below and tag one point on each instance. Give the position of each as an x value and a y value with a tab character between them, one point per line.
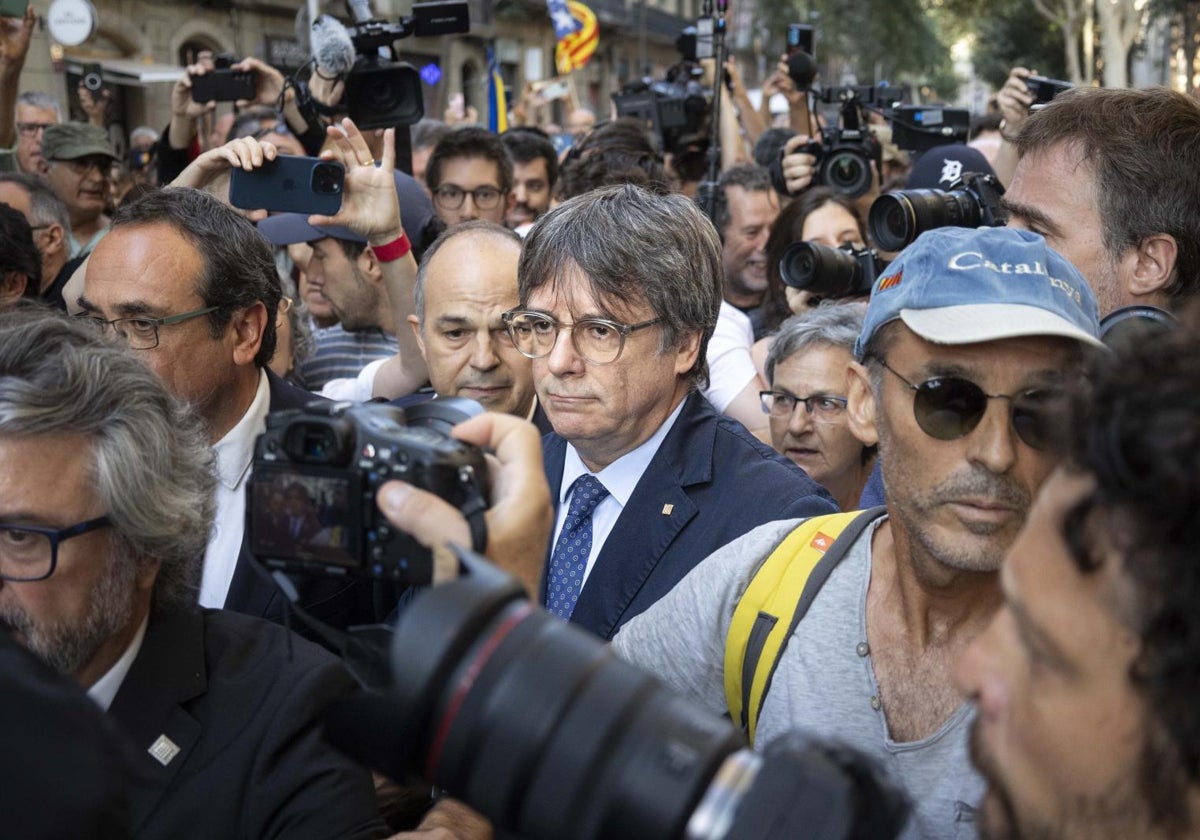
483	228
634	245
143	131
152	465
37	99
832	324
45	207
239	266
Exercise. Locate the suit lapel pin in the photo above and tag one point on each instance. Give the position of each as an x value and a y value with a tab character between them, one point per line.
164	749
667	509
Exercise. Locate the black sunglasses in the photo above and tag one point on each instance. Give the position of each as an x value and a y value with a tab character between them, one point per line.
950	407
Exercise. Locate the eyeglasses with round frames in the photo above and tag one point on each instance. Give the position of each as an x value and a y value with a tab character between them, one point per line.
950	407
450	197
822	407
30	552
598	340
141	333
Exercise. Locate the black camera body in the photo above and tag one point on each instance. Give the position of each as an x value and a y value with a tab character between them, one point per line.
92	78
844	157
311	505
675	110
382	93
897	218
843	272
1044	89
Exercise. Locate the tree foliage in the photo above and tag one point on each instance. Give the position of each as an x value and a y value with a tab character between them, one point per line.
874	40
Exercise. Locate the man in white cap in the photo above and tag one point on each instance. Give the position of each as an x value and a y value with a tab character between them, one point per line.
969	337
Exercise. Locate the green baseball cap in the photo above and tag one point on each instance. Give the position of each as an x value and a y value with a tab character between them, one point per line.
68	141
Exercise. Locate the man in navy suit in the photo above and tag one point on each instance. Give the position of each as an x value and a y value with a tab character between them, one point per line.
619	292
106	500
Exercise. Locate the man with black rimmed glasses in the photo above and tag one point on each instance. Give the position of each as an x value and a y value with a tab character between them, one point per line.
470	176
619	290
968	340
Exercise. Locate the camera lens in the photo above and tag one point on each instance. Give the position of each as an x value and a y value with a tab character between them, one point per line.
847	172
327	178
534	722
93	81
897	218
823	271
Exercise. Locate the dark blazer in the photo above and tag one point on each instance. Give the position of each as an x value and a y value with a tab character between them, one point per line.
710	482
339	602
242	703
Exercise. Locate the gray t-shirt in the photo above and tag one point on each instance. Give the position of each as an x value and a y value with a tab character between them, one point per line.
824	682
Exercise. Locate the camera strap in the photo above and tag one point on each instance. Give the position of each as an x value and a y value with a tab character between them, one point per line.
777	597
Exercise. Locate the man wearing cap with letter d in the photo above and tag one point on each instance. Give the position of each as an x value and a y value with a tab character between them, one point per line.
969	338
80	158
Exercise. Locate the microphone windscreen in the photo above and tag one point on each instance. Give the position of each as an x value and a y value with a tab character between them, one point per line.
332	47
802	69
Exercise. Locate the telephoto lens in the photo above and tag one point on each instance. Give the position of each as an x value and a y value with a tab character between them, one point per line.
534	723
829	272
898	218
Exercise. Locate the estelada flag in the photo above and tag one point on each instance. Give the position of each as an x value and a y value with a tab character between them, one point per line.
576	48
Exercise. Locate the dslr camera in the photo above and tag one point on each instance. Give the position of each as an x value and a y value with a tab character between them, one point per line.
311	505
845	152
897	218
843	272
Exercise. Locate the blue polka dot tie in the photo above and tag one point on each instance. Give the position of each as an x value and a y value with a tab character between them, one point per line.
570	556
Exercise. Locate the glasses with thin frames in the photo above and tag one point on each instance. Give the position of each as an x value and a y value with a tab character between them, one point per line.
31	128
598	340
821	407
450	197
139	332
950	407
30	552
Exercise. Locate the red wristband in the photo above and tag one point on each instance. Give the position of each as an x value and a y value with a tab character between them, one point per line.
393	250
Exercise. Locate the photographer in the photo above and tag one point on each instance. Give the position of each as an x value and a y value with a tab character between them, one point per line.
180	146
1110	178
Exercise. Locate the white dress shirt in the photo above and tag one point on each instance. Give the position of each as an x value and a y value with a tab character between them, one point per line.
235	454
105	689
620	478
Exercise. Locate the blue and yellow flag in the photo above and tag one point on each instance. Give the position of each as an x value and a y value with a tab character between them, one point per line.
497	101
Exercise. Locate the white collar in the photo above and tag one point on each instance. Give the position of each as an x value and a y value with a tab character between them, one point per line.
235	451
105	689
621	477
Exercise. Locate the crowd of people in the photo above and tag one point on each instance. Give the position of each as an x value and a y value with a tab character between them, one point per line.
1005	631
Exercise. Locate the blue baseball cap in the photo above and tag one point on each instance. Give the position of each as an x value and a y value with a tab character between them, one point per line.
967	285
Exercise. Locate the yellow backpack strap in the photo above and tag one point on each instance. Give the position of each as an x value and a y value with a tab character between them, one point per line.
777	598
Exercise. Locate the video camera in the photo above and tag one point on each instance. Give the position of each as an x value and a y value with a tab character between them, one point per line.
897	218
380	91
533	722
825	272
311	503
675	109
919	128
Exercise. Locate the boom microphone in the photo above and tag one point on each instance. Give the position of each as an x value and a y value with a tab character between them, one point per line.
332	47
